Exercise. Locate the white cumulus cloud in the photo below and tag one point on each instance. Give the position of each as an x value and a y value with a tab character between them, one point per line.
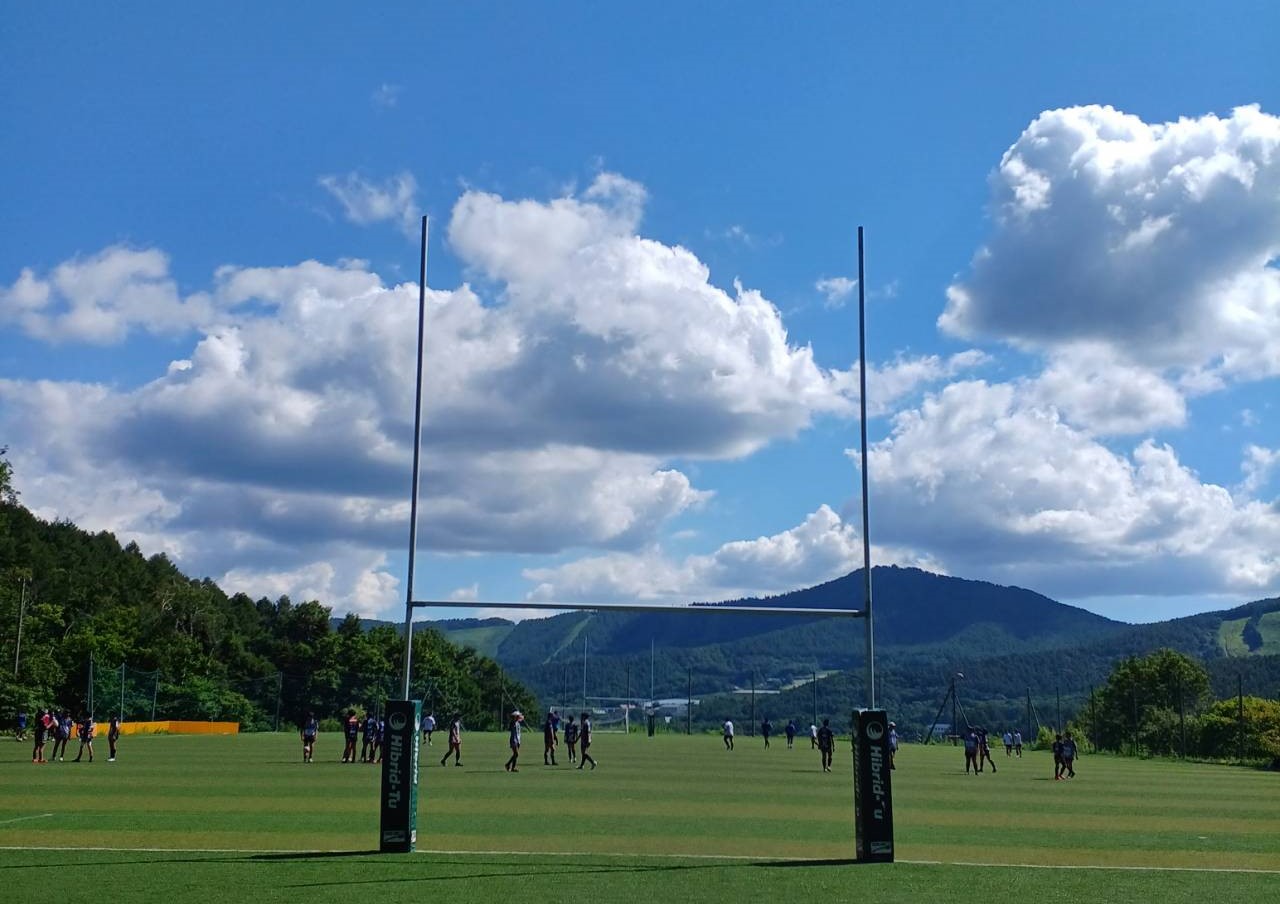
282	435
1154	239
102	299
1258	466
819	549
999	487
836	289
1139	258
364	203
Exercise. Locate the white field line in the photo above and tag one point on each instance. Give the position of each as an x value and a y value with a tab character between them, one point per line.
637	856
1099	866
5	822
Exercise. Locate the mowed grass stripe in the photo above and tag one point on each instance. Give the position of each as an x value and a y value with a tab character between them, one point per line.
662	796
139	878
515	856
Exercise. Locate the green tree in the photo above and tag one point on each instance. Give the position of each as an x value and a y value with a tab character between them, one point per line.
1144	699
1220	730
158	639
8	494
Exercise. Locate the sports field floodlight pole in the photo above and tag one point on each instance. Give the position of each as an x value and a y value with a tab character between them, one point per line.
417	452
866	536
955	702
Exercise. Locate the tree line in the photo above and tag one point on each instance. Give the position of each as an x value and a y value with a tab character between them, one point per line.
73	601
1163	704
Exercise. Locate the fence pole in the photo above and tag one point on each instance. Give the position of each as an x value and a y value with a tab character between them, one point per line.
1133	692
688	707
121	690
155	686
753	703
1240	717
17	647
1093	720
279	694
1182	719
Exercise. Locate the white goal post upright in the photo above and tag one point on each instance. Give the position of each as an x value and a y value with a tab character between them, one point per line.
866	518
417	462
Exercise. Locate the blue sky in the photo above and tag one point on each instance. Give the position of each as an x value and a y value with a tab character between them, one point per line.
642	351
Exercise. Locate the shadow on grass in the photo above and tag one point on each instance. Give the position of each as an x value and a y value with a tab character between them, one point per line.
469	868
474	870
310	855
160	859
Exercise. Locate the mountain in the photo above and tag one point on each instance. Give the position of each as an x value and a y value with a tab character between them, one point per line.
912	607
1012	644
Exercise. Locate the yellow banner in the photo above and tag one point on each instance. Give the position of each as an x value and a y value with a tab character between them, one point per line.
172	727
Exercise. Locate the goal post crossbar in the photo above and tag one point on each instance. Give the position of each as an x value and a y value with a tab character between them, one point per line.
643	607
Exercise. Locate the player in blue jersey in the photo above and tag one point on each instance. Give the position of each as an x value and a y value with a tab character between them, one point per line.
585	739
62	734
310	728
513	740
826	744
370	730
1068	756
550	738
85	730
571	739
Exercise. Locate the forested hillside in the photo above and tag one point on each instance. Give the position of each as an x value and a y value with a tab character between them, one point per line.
1025	657
160	642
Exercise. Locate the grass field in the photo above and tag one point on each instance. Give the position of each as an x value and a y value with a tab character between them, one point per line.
1230	635
235	818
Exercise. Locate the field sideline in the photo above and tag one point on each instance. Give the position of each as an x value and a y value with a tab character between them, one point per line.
670	815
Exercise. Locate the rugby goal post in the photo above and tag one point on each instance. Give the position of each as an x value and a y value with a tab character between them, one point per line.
399	782
873	814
